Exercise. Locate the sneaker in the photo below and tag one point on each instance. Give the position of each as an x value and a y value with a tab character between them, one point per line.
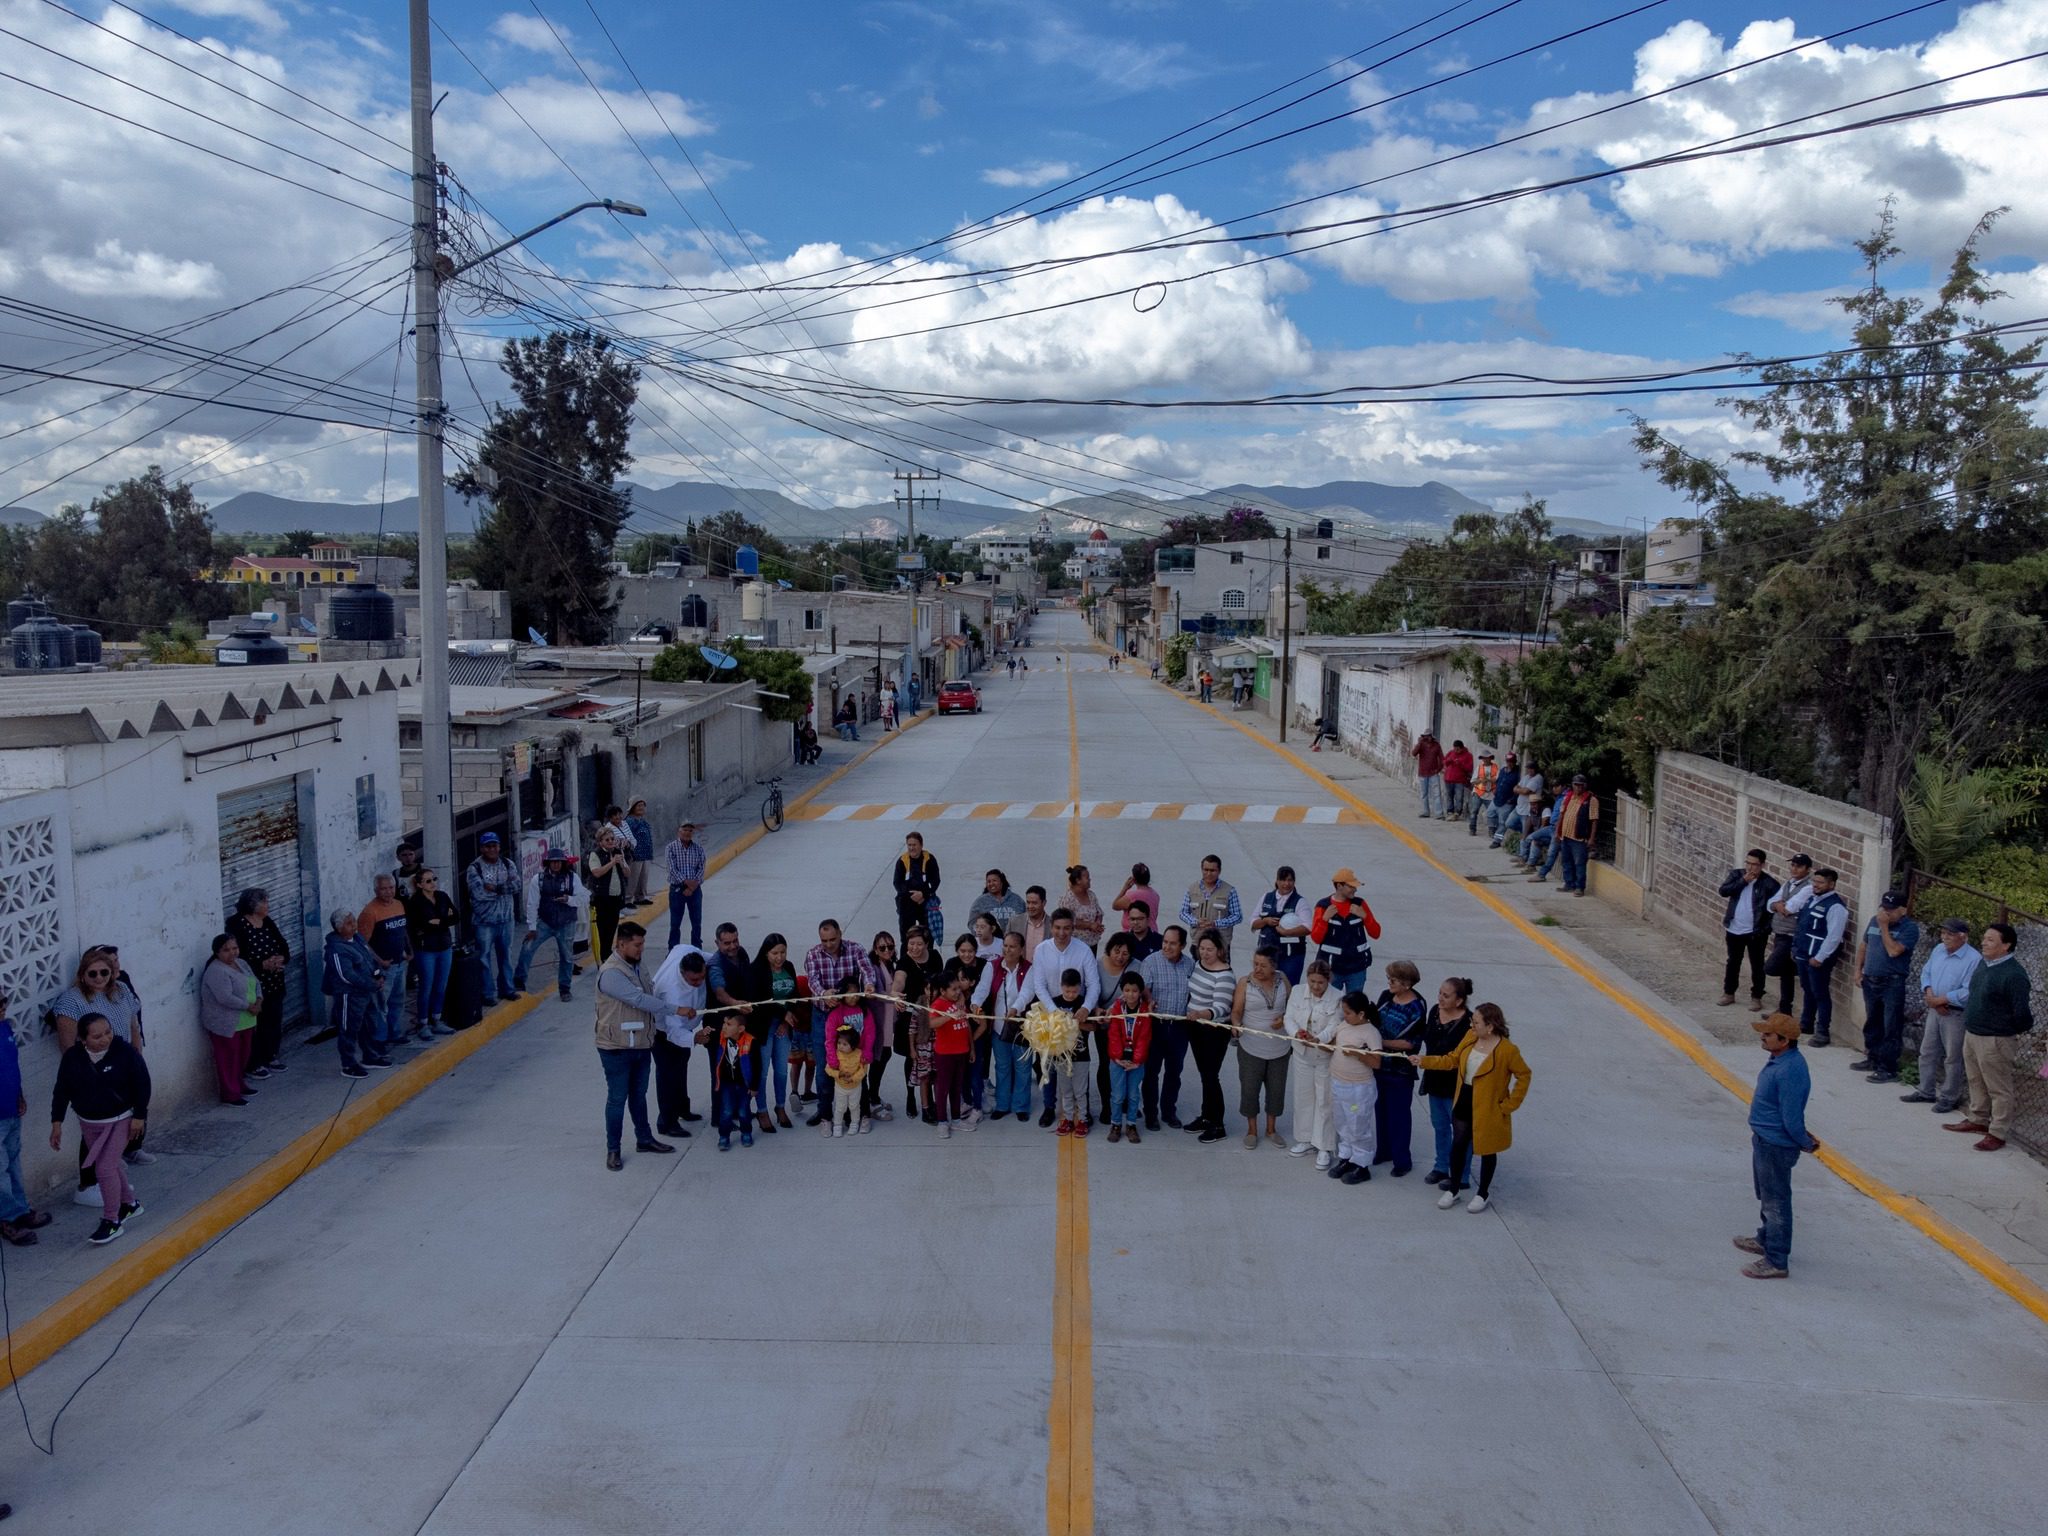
1447	1199
1046	1119
973	1118
807	1098
888	1112
724	1142
1300	1149
945	1130
1756	1005
1083	1127
1212	1133
1820	1038
1322	1161
866	1125
1357	1175
277	1065
1750	1245
258	1073
1116	1133
746	1138
1066	1128
1762	1269
139	1158
130	1210
89	1197
838	1130
105	1232
377	1063
353	1071
1476	1204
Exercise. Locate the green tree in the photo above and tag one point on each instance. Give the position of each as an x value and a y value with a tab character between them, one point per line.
549	467
1890	589
297	543
136	558
1489	573
1554	703
776	671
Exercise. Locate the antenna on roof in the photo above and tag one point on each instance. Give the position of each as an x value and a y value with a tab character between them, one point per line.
536	636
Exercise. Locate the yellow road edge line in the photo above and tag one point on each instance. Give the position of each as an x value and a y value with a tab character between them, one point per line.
1915	1213
1070	1418
70	1316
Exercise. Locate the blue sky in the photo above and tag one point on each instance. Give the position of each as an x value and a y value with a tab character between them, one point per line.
836	134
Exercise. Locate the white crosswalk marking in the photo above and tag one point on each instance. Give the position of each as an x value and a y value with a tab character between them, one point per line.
1018	811
839	813
1140	810
956	813
1197	812
1321	816
1261	812
898	813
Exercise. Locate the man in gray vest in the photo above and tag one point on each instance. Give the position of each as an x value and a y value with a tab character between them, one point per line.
626	1011
1211	902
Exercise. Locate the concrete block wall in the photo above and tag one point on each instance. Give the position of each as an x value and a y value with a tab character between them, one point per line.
1708	815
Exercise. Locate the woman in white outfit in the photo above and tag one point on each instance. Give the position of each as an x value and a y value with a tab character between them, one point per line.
1313	1014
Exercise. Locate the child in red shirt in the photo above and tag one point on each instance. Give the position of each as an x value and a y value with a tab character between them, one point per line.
1130	1042
952	1045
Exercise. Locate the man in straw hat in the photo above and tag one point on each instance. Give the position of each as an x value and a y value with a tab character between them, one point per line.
1777	1135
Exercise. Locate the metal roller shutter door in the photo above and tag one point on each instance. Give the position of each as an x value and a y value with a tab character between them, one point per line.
259	845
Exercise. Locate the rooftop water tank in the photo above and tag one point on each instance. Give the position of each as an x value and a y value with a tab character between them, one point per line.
85	644
25	607
1325	528
252	646
361	612
747	560
695	613
753	602
44	644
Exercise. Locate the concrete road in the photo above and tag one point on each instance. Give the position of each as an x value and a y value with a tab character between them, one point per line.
464	1324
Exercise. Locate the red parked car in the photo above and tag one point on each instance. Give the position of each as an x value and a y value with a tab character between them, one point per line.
959	699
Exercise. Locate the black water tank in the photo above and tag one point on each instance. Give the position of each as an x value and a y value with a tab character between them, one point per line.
25	607
252	647
695	613
44	644
85	644
1325	528
361	612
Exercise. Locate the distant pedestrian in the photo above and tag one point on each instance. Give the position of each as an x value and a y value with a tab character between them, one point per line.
606	878
640	853
228	1000
1314	1013
1532	794
1211	905
494	892
554	914
408	865
1485	775
1492	1080
891	704
1457	780
263	945
1884	959
1429	771
1207	680
847	720
1353	1090
684	857
1578	828
626	1012
1945	989
1777	1135
1745	927
1013	669
1791	900
20	1221
385	929
2000	1010
1325	731
1501	811
1823	923
103	1080
434	920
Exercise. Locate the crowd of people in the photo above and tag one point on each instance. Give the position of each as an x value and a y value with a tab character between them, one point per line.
787	1030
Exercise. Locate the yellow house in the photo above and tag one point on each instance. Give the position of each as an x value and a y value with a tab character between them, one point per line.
330	564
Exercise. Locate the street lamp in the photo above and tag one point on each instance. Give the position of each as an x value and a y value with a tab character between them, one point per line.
430	269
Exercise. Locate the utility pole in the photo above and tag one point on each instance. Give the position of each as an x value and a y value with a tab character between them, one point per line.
1286	628
437	801
907	499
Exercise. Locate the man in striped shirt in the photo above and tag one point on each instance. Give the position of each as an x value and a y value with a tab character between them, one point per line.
685	885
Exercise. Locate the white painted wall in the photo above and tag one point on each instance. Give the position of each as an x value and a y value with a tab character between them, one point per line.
140	867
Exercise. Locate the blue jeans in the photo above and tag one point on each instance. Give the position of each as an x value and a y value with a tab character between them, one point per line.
625	1087
1771	1167
678	904
1433	795
1394	1111
1126	1093
1440	1125
1289	965
13	1197
1817	998
775	1057
978	1070
1577	856
388	1008
729	1111
434	966
494	949
1351	981
565	954
355	1028
1531	849
1012	1078
1162	1068
1884	1021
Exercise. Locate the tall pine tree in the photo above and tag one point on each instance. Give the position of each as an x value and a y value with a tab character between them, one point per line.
549	466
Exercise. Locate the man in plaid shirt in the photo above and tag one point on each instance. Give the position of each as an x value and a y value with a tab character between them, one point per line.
830	962
685	885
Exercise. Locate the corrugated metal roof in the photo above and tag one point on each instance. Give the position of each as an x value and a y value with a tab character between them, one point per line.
78	707
479	669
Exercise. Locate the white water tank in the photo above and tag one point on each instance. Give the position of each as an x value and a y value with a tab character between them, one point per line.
753	602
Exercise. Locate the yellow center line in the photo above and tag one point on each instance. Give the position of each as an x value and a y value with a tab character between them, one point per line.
1070	1422
2007	1277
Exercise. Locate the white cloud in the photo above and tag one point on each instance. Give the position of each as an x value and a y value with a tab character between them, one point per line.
1116	63
112	269
1037	173
523	30
256	12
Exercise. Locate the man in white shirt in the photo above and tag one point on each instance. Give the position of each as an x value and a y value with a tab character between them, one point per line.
681	984
1785	908
1063	952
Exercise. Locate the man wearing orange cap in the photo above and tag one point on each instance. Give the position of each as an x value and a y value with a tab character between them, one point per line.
1342	931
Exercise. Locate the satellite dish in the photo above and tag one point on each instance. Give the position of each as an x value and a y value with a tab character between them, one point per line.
535	636
720	662
786	586
308	626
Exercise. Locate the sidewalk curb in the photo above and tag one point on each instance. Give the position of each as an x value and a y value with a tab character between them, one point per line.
1922	1218
73	1314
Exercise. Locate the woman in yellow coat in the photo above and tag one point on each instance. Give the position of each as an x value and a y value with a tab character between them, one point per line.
1492	1080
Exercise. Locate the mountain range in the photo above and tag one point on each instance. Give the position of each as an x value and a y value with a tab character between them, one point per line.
1425	510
